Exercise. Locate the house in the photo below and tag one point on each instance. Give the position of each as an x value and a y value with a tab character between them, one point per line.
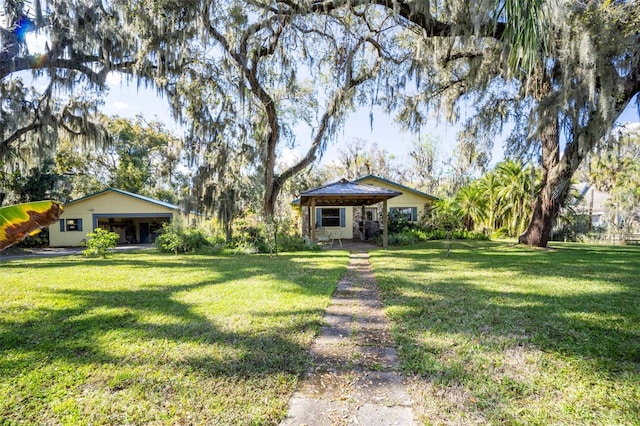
591	203
345	203
410	204
135	217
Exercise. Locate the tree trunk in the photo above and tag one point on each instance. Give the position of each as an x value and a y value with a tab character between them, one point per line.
546	204
542	218
557	172
270	197
226	210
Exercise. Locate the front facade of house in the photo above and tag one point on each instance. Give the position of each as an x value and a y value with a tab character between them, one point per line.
134	217
411	204
345	222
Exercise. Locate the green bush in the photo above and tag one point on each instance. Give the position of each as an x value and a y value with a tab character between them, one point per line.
398	223
287	242
249	239
101	242
41	239
415	235
253	236
176	238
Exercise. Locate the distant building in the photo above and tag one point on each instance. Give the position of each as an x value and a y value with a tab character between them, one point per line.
591	203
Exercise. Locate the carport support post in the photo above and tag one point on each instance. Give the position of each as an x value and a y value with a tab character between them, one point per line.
312	216
385	224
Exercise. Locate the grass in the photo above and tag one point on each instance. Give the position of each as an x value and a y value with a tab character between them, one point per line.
493	334
147	338
501	334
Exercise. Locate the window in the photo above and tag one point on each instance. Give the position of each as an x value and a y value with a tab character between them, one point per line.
409	214
330	217
70	225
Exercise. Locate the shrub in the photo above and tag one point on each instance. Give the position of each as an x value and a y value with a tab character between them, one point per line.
101	242
398	223
176	238
40	239
251	235
249	238
416	235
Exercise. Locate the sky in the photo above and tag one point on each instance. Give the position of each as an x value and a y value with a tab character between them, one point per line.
128	101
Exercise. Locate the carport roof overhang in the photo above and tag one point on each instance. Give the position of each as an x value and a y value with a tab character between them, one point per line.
345	193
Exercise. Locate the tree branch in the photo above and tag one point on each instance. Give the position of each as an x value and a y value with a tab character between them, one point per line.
337	100
5	143
401	9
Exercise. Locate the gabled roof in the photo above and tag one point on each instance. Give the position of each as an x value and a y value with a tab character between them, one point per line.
346	193
129	194
396	184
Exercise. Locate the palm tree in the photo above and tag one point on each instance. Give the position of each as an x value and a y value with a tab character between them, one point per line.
514	195
446	214
472	205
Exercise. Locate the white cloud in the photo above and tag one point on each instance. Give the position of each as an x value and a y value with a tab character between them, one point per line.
120	106
288	157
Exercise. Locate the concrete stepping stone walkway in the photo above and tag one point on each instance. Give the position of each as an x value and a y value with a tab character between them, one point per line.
353	378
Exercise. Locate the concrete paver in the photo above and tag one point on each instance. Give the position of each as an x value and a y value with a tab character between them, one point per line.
353	376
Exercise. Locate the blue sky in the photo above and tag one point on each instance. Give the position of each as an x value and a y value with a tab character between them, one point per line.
130	101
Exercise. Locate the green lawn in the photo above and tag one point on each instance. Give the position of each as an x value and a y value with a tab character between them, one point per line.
500	334
492	334
148	338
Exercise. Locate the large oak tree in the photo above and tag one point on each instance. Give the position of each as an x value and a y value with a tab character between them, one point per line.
562	71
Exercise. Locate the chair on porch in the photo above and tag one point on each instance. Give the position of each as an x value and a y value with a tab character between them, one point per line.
323	235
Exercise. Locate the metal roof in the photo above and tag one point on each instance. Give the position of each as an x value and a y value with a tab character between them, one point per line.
398	185
346	193
130	194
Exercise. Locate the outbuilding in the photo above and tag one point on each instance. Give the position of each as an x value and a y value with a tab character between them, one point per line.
135	217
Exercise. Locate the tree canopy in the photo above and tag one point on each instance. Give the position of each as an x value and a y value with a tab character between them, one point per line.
583	73
241	75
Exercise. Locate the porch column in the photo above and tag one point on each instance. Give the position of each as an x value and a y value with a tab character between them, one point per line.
312	216
385	224
362	218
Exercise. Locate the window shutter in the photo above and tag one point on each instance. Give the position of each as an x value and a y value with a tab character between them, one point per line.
61	225
79	221
342	217
318	217
414	214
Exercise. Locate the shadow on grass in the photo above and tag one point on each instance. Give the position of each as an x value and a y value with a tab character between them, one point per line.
615	264
76	334
550	312
509	335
